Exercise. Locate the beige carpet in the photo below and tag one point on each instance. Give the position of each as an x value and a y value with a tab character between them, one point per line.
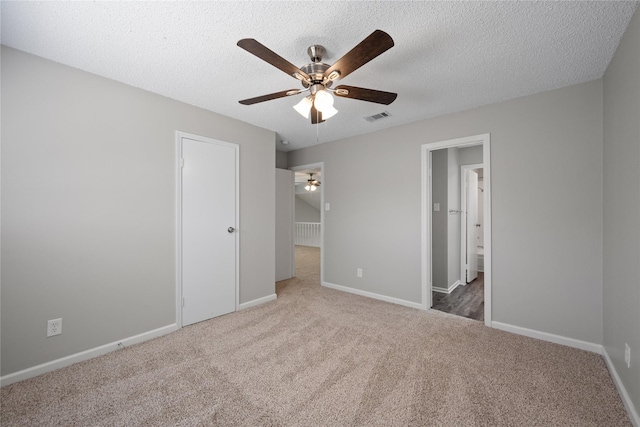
320	357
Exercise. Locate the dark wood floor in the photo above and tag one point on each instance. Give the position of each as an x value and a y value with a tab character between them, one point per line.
466	301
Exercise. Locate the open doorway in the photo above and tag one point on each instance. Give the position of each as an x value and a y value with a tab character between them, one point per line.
466	297
456	227
308	226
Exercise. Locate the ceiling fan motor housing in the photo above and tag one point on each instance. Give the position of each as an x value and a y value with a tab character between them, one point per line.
316	68
316	52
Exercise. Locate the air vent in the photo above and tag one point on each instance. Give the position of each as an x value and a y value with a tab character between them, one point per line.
378	116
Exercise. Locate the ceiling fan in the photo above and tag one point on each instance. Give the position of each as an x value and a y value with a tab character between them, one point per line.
312	184
318	77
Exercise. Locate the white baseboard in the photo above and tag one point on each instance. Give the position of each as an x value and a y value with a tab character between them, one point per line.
84	355
104	349
622	391
558	339
374	296
258	301
446	290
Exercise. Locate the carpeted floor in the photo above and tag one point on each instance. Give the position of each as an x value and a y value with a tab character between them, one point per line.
320	357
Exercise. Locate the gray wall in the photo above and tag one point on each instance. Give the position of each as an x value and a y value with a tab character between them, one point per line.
470	155
546	155
281	160
439	221
622	209
305	212
88	208
453	220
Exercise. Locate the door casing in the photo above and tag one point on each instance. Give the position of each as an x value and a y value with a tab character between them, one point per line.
426	217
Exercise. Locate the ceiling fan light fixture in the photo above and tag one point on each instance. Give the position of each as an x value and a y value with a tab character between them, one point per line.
329	112
323	101
312	184
304	107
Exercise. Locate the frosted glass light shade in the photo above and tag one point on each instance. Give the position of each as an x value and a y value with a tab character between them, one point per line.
304	107
323	101
328	112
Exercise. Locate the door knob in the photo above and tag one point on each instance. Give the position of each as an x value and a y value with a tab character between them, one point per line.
231	229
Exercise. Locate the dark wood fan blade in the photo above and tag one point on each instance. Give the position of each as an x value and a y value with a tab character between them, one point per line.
316	116
363	94
376	43
266	54
269	97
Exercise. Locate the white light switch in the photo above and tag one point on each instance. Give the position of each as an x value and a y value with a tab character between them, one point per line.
327	207
436	207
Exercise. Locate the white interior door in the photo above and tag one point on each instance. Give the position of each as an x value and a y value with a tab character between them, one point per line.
472	221
208	222
285	200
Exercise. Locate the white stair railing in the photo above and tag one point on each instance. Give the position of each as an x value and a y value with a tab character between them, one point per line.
307	234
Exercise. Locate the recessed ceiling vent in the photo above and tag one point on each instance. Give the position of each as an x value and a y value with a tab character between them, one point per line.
378	116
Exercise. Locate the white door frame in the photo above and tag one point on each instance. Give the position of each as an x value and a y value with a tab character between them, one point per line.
320	166
179	163
485	141
463	217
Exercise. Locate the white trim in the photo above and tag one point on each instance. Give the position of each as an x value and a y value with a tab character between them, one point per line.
319	165
582	345
486	224
485	141
293	227
622	391
446	290
258	301
385	298
178	236
178	255
425	215
84	355
545	336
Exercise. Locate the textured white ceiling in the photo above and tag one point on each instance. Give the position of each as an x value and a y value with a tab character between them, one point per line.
448	56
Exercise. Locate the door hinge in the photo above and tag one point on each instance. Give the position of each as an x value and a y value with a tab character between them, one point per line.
181	163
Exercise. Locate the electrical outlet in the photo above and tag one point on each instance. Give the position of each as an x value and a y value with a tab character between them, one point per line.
627	355
359	272
54	327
